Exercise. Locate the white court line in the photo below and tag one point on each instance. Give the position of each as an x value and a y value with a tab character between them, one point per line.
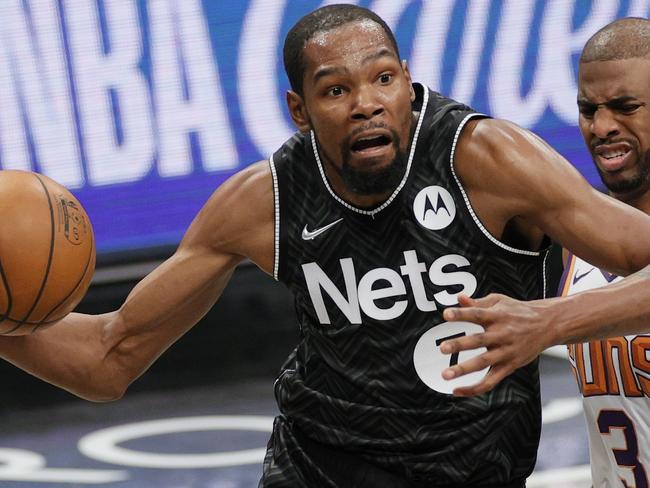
76	476
23	465
103	445
572	477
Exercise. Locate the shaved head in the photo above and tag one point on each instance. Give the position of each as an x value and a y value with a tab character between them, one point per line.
622	39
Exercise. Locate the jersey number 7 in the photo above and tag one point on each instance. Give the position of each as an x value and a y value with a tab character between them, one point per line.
453	360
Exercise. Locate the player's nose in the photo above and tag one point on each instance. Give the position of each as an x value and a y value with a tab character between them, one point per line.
604	124
366	104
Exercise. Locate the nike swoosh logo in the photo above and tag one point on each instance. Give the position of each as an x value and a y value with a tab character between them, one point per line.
578	277
309	235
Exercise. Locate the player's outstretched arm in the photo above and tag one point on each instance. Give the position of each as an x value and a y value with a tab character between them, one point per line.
521	179
97	357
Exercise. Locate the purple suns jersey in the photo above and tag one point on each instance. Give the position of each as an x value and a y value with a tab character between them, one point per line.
368	284
614	379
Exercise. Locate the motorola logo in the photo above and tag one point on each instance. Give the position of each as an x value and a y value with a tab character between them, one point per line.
434	208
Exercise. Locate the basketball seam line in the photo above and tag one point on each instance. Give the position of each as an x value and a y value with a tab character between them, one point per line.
5	282
74	288
49	260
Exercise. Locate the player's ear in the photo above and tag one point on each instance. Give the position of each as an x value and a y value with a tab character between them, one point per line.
298	111
407	73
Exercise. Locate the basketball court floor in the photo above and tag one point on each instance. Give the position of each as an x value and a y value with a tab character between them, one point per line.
214	437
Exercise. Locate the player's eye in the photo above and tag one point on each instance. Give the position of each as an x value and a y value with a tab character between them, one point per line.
587	111
385	78
335	91
628	108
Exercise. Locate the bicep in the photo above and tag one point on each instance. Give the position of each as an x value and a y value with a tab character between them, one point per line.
238	219
236	223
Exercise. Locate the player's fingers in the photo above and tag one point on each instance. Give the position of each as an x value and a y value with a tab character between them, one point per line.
470	314
475	304
484	302
465	301
492	379
476	363
472	341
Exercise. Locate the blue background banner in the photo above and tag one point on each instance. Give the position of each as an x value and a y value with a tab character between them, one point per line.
143	108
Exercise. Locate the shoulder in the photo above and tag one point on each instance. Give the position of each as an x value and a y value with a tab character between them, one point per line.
497	137
250	187
501	150
483	145
238	217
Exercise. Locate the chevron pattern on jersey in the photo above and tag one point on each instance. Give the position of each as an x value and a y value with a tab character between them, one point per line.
351	382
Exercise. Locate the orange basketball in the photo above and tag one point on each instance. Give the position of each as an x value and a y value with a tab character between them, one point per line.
47	252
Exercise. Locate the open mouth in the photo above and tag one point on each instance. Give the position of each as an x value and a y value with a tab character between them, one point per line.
613	157
370	142
614	154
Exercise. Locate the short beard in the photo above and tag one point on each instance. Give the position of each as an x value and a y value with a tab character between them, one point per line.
369	182
632	185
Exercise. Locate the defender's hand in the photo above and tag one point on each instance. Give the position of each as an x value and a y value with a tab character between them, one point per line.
515	334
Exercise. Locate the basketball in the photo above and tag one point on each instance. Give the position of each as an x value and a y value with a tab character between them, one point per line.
47	252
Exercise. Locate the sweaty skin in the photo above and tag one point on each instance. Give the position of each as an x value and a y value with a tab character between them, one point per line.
614	104
355	85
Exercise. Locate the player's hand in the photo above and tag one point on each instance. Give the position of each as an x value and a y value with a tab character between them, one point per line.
515	334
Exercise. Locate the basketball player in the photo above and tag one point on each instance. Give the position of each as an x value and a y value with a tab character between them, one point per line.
389	202
615	121
614	104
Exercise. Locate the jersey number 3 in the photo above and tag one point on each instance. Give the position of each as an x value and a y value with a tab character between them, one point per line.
628	457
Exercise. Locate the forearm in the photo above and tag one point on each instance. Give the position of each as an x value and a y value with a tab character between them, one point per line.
98	357
70	354
615	310
155	314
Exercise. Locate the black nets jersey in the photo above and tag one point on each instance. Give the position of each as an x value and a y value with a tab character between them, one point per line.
368	284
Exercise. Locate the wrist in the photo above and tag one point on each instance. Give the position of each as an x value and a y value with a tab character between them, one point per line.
563	320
